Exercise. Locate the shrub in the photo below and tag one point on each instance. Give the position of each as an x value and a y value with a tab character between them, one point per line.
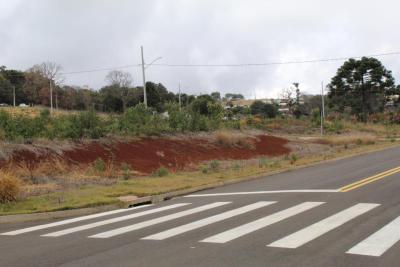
262	162
161	172
178	120
236	166
231	139
293	159
214	165
140	120
126	171
99	165
9	188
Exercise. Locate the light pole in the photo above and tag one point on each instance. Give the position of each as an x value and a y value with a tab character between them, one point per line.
144	67
322	108
51	97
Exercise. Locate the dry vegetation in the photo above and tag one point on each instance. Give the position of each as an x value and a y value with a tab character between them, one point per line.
348	139
9	187
234	139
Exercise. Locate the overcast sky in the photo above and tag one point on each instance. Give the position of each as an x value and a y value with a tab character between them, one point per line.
90	34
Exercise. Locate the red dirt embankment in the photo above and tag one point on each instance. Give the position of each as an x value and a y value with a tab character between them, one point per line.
148	154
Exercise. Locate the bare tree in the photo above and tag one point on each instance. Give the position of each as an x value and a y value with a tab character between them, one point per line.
51	71
122	80
287	95
119	78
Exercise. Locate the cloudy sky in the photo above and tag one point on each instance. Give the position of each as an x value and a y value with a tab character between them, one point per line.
92	34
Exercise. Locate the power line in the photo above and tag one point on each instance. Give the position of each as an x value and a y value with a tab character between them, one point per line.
100	69
273	63
230	65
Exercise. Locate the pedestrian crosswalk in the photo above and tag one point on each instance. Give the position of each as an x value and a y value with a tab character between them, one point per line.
215	213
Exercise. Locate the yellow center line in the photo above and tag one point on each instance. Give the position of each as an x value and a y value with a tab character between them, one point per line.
369	180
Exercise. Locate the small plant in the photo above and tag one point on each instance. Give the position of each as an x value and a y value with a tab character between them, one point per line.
9	188
214	165
346	146
236	166
359	142
262	162
204	170
161	172
293	159
126	171
99	165
392	140
276	164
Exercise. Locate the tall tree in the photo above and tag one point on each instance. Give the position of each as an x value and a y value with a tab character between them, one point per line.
52	72
122	80
362	86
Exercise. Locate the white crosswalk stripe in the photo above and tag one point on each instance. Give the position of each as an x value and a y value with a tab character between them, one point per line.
260	223
73	220
213	219
166	218
379	242
113	220
312	232
376	244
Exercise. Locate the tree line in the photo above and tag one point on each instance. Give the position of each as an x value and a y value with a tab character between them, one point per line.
360	88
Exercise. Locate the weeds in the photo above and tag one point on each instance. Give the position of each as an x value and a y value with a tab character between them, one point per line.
126	171
161	172
293	159
214	165
262	162
9	188
232	139
99	165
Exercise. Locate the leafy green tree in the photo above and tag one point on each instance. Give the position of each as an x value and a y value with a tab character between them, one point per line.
200	104
264	109
216	96
361	86
230	96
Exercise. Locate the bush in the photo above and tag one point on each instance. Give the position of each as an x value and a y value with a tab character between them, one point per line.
293	159
126	171
9	188
178	120
214	165
141	120
231	139
262	162
161	172
99	165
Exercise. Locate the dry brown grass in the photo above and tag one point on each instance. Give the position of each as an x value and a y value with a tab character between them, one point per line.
234	139
10	187
347	139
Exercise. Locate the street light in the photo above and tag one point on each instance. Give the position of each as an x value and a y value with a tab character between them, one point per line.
144	67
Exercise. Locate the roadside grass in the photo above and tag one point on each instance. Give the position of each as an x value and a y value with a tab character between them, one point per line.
347	139
95	195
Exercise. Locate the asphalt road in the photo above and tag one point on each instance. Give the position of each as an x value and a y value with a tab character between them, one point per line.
246	224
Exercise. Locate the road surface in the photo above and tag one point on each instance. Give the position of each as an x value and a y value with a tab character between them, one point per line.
340	213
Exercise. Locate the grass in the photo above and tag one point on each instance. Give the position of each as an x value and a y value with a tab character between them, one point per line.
234	139
90	196
346	139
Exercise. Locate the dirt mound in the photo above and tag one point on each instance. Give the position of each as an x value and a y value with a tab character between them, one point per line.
147	154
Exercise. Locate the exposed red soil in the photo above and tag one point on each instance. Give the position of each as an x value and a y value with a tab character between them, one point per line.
148	154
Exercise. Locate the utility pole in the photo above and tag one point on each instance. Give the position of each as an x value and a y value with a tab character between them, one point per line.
14	95
322	108
56	99
144	80
51	96
180	106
